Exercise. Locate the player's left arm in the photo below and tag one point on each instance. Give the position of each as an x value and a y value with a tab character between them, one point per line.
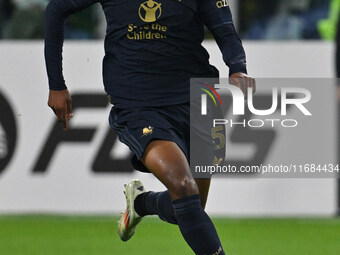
216	15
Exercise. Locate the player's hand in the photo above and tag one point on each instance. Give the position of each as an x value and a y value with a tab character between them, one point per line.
61	104
243	81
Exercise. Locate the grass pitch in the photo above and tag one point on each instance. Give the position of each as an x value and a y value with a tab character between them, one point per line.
71	235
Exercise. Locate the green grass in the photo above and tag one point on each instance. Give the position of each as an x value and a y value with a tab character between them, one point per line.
52	235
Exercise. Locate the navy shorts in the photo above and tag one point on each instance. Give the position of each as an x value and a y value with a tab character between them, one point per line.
137	127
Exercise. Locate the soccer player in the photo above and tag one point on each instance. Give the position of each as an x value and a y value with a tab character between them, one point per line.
152	49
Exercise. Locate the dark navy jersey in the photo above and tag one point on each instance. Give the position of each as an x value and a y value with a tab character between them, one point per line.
152	47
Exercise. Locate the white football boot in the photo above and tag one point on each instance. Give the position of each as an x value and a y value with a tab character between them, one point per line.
130	219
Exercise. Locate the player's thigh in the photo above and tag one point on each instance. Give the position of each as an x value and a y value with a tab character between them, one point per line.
203	187
169	164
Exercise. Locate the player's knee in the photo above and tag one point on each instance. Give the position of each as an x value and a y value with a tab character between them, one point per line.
183	188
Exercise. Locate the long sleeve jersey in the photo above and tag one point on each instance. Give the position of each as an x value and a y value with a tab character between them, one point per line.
152	47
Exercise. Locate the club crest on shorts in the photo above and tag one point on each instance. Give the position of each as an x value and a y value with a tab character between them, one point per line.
147	131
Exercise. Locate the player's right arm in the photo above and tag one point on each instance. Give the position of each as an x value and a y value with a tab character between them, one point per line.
56	14
216	15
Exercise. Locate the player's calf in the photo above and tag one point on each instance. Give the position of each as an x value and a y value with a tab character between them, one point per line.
168	163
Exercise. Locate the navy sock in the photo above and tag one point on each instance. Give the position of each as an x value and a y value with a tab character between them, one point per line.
156	203
196	227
